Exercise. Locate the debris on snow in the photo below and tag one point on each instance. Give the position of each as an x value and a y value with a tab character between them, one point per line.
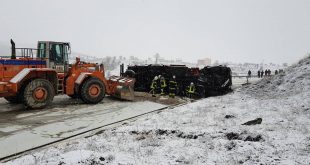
229	116
243	136
253	122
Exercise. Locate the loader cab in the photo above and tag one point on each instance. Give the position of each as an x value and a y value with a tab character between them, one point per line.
55	53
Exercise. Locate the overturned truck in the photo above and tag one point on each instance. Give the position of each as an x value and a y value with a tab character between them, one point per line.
209	81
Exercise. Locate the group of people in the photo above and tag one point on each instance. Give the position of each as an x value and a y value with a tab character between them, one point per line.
262	73
160	86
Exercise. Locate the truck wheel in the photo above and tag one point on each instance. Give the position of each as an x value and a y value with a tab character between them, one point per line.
38	94
92	91
13	99
129	73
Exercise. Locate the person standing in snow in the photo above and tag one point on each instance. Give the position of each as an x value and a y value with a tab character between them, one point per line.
258	74
276	72
249	73
262	74
163	85
172	87
266	73
190	90
281	70
154	86
269	72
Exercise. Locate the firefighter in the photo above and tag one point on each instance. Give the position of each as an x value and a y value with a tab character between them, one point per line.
158	89
154	86
158	80
172	87
191	90
163	85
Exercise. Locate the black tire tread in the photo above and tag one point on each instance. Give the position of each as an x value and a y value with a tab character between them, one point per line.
29	102
84	91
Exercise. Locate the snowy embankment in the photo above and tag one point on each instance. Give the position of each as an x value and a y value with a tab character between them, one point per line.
209	131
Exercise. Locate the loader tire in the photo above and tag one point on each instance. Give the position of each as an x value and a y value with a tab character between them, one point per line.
38	94
13	99
92	91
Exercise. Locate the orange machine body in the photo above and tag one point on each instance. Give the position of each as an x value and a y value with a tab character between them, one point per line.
78	72
81	70
9	68
35	80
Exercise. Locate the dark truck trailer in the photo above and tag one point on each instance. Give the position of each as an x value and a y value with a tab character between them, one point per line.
215	80
209	81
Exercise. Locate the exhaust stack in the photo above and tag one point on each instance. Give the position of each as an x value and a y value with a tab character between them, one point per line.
13	52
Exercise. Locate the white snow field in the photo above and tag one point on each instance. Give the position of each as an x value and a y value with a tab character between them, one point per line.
208	131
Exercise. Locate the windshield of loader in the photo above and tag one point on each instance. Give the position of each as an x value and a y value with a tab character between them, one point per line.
59	53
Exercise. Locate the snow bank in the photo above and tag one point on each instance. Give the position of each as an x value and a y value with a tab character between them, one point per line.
295	80
209	131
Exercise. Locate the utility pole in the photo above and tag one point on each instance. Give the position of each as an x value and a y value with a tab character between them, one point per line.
156	58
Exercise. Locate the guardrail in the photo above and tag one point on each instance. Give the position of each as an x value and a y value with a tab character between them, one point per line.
247	77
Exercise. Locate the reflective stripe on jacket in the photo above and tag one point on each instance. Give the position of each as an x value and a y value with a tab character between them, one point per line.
191	89
154	84
163	83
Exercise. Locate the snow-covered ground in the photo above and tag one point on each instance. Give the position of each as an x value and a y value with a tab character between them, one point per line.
208	131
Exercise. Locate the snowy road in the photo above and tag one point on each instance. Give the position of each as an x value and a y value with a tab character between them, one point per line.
65	118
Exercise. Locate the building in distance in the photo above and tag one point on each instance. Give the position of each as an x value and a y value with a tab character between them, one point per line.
204	62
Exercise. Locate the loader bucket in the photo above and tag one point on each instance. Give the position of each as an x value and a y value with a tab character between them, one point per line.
123	87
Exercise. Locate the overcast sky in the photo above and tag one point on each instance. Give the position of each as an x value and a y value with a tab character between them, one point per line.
225	30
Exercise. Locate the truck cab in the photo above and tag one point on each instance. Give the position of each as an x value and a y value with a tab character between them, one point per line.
55	53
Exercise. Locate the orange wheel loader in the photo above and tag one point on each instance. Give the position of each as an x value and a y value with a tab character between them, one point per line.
36	75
